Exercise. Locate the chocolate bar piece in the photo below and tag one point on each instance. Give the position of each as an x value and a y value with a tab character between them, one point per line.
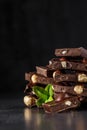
38	79
28	76
64	77
55	107
73	59
44	71
79	90
68	65
78	77
61	96
28	88
73	52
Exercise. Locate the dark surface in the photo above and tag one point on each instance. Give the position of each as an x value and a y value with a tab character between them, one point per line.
14	116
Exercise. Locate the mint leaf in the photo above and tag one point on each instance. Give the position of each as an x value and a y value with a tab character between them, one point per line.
39	102
49	99
40	92
44	94
49	89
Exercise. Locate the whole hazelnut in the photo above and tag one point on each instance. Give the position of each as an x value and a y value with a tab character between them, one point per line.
78	89
34	78
29	101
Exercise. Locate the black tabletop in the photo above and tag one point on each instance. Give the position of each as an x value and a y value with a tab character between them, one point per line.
14	115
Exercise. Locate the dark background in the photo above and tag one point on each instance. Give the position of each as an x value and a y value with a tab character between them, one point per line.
30	30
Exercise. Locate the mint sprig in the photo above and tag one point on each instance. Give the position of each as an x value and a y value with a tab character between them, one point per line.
44	94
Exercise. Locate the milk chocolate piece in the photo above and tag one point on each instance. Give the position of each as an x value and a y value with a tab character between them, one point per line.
80	77
38	79
55	107
73	52
79	90
68	65
44	71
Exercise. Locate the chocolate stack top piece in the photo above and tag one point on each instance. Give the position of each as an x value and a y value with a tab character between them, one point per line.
71	52
67	73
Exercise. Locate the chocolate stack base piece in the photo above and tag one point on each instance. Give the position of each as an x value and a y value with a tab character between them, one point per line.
67	73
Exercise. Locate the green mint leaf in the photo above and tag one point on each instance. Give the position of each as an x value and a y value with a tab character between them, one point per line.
49	99
44	94
40	92
49	89
39	102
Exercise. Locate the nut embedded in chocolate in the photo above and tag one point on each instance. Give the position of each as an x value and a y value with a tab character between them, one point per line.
72	52
34	78
56	72
68	103
82	78
64	64
29	101
64	52
78	89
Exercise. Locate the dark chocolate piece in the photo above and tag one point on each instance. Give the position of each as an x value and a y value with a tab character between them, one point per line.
44	71
38	79
28	76
73	52
28	88
64	77
79	90
80	77
55	107
68	65
73	59
61	96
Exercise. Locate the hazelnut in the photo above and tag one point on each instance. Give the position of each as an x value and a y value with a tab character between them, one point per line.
78	89
68	103
50	62
64	64
64	52
56	72
34	78
29	101
82	78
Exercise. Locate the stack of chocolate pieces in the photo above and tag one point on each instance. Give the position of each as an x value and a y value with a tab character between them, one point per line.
68	75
